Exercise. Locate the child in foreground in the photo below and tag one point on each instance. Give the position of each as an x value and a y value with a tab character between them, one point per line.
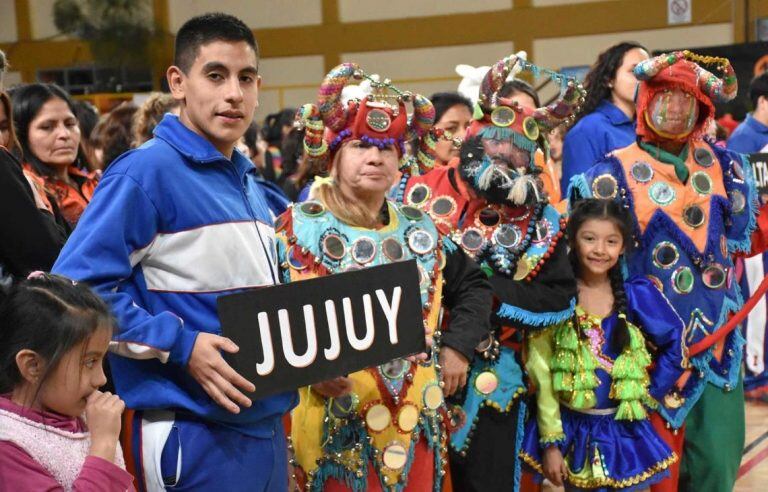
54	335
591	430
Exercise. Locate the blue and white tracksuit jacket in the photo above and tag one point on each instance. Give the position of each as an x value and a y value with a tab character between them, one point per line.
173	225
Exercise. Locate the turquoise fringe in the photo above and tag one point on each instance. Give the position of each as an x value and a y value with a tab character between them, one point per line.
535	319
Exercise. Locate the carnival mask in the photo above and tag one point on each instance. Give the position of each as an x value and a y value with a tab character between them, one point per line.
498	171
672	114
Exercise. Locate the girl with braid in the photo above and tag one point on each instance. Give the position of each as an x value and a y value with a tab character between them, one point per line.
593	372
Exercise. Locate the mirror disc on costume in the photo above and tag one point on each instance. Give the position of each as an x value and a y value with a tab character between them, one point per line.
542	231
503	116
738	171
714	276
394	457
443	206
293	259
363	250
486	382
334	247
312	209
433	396
344	406
418	194
703	157
411	213
656	281
661	193
392	249
604	187
378	120
738	201
693	216
489	217
420	242
508	236
682	280
472	240
395	369
408	417
531	128
702	183
665	255
377	418
641	171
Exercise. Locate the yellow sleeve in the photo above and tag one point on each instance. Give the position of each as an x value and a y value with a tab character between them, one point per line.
539	348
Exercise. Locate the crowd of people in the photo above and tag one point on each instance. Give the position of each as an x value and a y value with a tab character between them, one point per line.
578	271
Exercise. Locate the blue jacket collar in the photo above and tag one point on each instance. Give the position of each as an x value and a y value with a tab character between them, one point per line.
613	113
755	125
191	145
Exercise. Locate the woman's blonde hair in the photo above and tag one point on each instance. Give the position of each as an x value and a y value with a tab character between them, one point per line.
149	115
327	191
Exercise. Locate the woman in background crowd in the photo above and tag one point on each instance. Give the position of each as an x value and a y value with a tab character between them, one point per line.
149	115
49	137
607	121
113	135
453	113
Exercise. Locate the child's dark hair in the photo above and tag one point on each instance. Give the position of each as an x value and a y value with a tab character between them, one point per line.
517	85
443	101
205	29
592	208
48	314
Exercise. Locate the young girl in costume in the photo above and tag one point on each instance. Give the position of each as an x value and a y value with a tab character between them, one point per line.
592	372
53	338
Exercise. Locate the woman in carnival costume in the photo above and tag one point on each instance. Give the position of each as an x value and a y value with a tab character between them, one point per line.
694	207
591	429
489	202
382	428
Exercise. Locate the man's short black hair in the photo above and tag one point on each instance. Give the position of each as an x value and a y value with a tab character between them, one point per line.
207	28
758	87
517	85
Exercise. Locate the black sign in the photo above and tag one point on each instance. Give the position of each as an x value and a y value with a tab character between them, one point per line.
305	332
760	170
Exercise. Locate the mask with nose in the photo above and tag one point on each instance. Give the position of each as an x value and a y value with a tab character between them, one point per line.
497	157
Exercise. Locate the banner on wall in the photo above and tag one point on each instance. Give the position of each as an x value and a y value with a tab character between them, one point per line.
301	333
759	164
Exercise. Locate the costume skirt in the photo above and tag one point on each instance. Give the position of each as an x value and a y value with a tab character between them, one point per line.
603	453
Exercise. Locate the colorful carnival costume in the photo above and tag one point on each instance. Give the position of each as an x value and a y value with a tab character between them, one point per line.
591	399
692	213
390	432
498	215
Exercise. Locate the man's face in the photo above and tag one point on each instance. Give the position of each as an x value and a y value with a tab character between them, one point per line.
219	93
507	155
672	113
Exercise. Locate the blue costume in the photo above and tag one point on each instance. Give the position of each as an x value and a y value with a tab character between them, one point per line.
591	397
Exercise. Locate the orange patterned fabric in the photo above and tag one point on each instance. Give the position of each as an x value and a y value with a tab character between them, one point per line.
685	194
71	198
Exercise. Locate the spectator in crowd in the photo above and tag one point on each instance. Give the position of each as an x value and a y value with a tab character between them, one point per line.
453	113
254	146
522	92
54	335
87	117
276	127
29	239
172	226
149	115
606	121
554	167
295	162
752	134
49	136
113	136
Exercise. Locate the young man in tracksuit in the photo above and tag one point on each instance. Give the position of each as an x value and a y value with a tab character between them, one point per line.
173	225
